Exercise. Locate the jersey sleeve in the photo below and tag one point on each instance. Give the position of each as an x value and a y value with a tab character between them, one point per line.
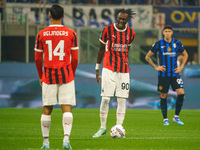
74	45
154	47
38	55
38	44
103	36
132	36
180	47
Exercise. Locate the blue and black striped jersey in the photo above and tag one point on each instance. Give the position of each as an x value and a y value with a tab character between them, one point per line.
167	53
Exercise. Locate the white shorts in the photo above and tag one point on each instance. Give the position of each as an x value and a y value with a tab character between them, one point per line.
115	83
62	94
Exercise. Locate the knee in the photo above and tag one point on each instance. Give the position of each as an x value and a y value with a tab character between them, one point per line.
180	91
163	95
105	100
47	110
121	101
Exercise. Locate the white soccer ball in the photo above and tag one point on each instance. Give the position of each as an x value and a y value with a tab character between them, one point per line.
117	131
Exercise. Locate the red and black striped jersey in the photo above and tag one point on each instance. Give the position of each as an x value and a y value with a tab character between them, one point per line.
56	42
117	43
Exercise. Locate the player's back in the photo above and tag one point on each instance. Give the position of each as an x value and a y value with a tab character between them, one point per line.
57	41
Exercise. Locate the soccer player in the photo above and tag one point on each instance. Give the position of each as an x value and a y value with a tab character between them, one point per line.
168	49
115	41
57	46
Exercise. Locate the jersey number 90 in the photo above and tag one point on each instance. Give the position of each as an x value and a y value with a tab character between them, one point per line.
125	86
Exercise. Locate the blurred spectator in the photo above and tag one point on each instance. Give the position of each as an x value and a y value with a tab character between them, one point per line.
53	1
144	2
194	61
83	1
77	1
190	2
110	2
32	1
168	2
91	1
1	2
139	2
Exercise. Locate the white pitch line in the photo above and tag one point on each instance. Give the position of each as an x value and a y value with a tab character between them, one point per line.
195	131
106	138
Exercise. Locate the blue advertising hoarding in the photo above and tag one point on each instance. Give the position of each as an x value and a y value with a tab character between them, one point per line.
180	17
19	87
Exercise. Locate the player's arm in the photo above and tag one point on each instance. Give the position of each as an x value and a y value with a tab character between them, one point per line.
184	60
74	52
38	63
150	61
99	59
74	60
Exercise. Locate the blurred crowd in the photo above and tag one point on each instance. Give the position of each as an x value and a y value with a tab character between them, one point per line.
115	2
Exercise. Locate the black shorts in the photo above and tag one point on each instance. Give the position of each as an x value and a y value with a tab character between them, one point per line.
165	82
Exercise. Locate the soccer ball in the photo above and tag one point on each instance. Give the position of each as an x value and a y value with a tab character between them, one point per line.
117	131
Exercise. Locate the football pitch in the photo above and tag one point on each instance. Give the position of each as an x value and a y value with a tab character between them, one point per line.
20	129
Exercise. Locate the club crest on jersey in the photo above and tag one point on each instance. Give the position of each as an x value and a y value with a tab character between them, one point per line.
160	87
174	45
169	49
127	37
126	61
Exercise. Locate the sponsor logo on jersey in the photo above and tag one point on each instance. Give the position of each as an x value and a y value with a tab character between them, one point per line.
119	47
171	54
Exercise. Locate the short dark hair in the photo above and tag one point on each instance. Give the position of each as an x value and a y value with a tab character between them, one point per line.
131	13
168	27
56	12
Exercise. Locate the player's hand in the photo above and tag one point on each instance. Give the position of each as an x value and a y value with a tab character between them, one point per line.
98	76
161	68
40	81
178	69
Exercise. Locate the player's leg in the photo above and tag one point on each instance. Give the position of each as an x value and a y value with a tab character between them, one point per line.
67	124
108	88
45	125
104	107
163	87
121	109
122	93
67	100
49	98
163	107
177	84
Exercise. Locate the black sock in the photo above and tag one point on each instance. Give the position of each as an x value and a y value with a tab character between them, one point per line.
179	103
163	106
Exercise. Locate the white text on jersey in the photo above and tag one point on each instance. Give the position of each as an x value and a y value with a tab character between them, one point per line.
55	33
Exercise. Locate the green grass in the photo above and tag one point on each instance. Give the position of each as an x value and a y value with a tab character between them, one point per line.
20	129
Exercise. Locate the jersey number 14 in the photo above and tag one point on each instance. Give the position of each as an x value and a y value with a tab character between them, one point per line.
56	52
